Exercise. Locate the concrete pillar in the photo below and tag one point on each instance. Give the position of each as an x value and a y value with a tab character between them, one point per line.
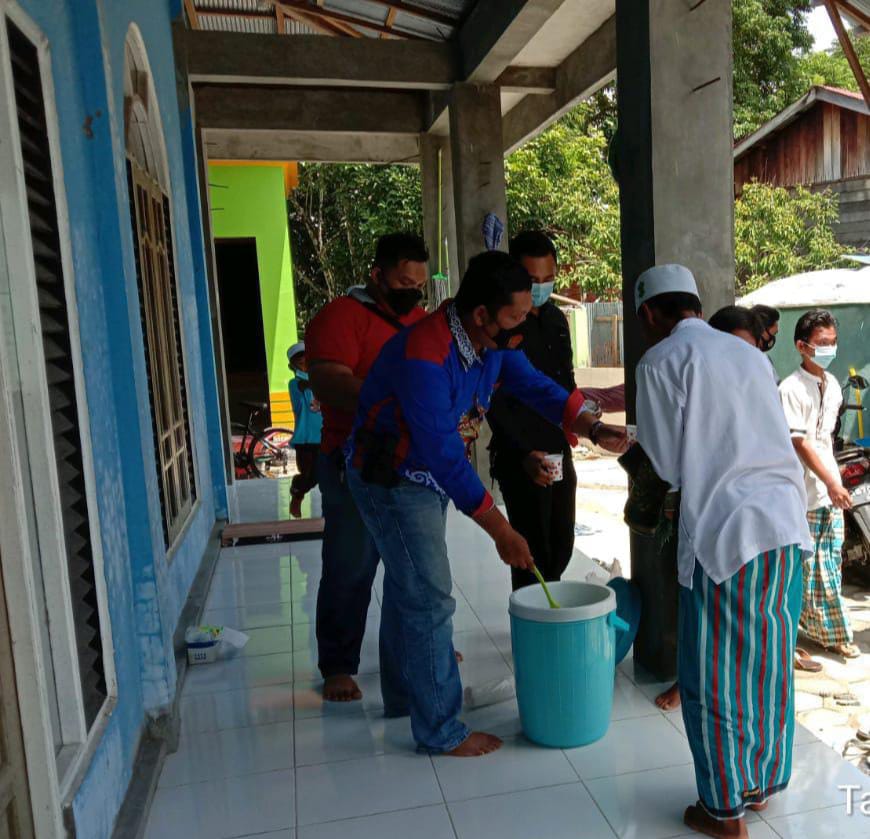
436	170
478	189
675	170
478	164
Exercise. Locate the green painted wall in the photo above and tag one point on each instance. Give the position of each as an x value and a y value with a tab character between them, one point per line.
249	201
853	351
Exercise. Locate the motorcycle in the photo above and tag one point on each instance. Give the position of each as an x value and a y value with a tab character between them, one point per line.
853	460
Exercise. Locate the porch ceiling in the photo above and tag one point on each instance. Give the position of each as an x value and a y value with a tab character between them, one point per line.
386	72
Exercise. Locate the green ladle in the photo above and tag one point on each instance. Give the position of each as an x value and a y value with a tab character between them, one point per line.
553	603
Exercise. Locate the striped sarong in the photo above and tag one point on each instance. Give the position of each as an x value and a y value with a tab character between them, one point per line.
736	647
823	613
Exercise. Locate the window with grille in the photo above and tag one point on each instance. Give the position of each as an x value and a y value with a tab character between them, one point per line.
60	373
164	362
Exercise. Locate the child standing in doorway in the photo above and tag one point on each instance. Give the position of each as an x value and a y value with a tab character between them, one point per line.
306	436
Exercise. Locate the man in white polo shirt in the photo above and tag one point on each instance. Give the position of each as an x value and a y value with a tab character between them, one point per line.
812	398
742	535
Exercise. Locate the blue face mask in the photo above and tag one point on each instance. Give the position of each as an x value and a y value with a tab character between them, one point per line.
302	375
541	293
824	356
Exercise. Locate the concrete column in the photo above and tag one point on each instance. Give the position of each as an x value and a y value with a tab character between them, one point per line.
478	189
478	164
435	169
675	170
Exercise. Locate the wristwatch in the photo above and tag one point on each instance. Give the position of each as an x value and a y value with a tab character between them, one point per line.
593	432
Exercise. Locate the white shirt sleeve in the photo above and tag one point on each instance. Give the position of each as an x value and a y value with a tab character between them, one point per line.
796	407
660	410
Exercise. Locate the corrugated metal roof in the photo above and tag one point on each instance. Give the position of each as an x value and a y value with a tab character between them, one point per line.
438	19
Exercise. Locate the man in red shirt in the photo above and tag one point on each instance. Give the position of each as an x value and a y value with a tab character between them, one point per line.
342	342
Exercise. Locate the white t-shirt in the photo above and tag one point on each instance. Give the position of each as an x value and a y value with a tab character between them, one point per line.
811	408
710	420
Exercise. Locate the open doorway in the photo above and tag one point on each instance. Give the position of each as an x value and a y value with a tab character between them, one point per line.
242	325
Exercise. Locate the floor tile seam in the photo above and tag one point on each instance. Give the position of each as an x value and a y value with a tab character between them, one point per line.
443	797
188	694
229	778
372	815
767	816
597	805
636	771
536	788
639	771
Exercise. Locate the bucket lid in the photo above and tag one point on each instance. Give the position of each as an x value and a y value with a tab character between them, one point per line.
578	602
628	608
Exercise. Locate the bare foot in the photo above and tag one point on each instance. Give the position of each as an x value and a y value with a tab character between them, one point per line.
459	657
476	744
701	821
296	508
670	699
341	689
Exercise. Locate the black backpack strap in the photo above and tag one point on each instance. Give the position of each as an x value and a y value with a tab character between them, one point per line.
376	310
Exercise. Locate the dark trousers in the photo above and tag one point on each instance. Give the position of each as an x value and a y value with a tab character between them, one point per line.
350	560
306	463
544	516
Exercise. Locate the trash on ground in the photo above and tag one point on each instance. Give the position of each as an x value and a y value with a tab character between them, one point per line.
206	643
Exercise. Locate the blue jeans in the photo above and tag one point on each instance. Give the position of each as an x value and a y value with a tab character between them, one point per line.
408	523
350	560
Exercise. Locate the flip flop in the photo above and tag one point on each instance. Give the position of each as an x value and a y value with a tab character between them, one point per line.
849	651
802	661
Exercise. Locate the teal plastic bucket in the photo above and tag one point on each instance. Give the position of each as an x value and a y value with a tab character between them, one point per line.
564	661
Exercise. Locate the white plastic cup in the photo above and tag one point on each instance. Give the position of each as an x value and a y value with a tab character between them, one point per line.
555	466
631	434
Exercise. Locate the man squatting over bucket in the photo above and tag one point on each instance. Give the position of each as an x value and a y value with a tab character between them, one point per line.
420	408
742	537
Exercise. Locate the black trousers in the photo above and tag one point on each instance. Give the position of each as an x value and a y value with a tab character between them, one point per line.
544	516
306	463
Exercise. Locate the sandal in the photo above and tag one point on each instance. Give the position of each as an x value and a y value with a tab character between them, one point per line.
846	650
802	661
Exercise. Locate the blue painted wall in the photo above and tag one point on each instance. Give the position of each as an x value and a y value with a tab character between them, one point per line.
146	588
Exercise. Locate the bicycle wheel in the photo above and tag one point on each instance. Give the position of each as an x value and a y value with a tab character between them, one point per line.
270	453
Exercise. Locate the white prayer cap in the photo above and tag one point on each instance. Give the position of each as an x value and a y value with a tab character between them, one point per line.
297	348
663	279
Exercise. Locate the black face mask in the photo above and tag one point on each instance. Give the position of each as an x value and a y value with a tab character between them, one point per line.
508	339
767	344
402	300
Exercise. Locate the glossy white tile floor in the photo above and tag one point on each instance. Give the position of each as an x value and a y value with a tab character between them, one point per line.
262	756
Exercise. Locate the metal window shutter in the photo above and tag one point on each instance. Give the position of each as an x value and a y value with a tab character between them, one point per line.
60	374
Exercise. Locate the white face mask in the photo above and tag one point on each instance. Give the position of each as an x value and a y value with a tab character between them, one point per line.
823	356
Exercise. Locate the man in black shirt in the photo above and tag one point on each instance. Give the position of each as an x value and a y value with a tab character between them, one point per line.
540	508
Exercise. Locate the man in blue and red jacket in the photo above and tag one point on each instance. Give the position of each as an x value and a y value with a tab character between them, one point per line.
419	411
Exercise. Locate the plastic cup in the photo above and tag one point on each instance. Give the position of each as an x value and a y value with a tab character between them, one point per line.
556	466
631	434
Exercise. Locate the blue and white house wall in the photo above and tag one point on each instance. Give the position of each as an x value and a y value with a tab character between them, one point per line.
110	445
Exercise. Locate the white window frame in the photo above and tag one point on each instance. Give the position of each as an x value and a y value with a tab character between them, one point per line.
135	43
24	358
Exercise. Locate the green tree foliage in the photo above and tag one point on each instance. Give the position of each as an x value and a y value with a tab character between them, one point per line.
560	182
770	40
780	232
336	215
830	67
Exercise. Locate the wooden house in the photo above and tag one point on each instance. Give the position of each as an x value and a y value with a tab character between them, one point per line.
822	141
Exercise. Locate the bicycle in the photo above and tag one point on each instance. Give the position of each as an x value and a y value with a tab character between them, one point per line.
261	454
